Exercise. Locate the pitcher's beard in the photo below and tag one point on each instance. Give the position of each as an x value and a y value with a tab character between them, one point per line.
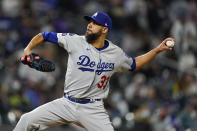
91	38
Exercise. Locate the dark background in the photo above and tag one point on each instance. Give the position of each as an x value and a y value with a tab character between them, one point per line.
160	97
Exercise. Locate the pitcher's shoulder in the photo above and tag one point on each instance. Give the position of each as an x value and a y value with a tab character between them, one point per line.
82	37
114	46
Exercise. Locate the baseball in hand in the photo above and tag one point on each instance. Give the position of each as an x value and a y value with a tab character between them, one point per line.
170	43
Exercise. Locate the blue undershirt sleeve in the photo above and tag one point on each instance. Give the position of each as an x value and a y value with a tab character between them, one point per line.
133	66
50	37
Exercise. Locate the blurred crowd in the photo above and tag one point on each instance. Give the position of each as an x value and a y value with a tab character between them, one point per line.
160	97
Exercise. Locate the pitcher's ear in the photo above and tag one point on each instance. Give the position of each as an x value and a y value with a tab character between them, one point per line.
105	30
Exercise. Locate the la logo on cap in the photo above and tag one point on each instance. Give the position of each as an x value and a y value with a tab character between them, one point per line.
95	14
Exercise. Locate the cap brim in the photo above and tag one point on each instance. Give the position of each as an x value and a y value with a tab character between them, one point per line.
88	18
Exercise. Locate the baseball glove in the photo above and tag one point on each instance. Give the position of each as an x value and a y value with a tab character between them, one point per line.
36	62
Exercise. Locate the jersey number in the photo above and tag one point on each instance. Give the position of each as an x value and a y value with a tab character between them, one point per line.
103	82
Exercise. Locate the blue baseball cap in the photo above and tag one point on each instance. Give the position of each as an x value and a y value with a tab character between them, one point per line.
100	18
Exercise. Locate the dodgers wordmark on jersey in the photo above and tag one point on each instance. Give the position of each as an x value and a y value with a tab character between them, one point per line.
89	69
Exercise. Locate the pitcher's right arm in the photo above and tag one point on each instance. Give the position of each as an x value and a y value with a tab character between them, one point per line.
37	40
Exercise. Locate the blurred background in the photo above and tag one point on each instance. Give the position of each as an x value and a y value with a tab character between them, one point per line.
160	97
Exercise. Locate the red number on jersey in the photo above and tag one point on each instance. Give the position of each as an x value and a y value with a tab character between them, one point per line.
103	82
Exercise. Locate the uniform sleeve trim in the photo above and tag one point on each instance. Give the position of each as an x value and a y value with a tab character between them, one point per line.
133	66
50	37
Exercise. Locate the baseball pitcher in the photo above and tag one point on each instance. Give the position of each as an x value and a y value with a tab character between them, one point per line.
92	61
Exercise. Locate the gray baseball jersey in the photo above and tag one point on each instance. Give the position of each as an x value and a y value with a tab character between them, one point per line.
88	72
89	69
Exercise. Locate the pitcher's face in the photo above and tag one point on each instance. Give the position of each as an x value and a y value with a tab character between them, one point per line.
93	32
93	27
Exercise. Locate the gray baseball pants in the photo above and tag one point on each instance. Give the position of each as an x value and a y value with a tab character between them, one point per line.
91	116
